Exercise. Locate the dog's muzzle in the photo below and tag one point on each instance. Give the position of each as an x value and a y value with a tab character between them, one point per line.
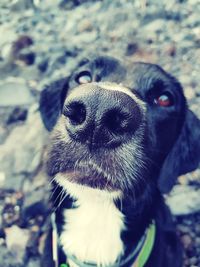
101	124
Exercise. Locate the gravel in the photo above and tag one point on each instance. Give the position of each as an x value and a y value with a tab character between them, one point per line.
42	41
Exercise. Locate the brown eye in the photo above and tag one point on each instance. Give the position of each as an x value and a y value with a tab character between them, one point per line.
84	77
164	100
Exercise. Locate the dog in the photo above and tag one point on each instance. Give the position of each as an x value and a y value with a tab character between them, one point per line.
121	134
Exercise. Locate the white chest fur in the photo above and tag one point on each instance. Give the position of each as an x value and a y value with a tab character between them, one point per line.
92	230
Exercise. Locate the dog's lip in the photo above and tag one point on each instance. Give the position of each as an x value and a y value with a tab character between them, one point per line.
80	175
86	169
94	180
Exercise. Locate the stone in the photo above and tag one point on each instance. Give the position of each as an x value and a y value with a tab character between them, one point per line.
187	241
7	39
43	66
22	152
32	246
8	259
46	4
6	51
157	25
12	182
171	50
21	52
85	25
21	5
3	134
84	37
35	262
2	178
189	93
194	261
16	241
14	93
131	49
18	114
11	213
35	203
27	58
40	180
183	229
1	221
184	200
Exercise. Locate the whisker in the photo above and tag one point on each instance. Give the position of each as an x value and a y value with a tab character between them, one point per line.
62	198
53	192
58	196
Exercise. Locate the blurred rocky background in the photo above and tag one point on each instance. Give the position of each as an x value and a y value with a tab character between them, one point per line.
43	40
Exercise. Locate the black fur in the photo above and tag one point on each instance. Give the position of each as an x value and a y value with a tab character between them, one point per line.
170	145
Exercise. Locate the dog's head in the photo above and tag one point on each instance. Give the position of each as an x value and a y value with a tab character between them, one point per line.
117	127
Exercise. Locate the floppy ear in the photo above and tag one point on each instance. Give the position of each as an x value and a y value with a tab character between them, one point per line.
184	156
51	101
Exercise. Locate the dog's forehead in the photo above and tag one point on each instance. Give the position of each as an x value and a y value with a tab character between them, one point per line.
143	79
108	68
131	74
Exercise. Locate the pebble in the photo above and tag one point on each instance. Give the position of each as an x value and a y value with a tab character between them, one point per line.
187	241
2	178
23	155
8	38
85	25
15	93
34	262
8	259
131	49
171	50
35	204
14	182
16	241
157	25
18	114
3	134
184	200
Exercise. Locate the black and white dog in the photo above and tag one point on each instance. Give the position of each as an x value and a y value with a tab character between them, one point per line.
120	136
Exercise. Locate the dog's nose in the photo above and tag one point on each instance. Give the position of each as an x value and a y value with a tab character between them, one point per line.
100	117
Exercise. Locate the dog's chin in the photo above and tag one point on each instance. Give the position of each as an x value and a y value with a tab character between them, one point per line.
93	181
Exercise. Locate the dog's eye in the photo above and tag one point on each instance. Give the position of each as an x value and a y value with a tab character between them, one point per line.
84	77
164	100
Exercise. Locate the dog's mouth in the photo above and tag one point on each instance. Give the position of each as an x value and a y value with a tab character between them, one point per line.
91	175
91	181
104	169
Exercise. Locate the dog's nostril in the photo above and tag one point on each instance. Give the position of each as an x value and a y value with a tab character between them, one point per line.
75	112
116	121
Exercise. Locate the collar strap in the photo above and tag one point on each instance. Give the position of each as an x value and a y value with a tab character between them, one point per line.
147	247
137	258
54	240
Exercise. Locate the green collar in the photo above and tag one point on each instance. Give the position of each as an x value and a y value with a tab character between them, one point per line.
147	247
138	258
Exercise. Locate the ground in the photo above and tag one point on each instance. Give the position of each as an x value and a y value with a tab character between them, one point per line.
42	41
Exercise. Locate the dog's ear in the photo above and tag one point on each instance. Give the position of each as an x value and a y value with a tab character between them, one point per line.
184	156
51	101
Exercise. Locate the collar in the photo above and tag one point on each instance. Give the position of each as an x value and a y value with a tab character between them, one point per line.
137	258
